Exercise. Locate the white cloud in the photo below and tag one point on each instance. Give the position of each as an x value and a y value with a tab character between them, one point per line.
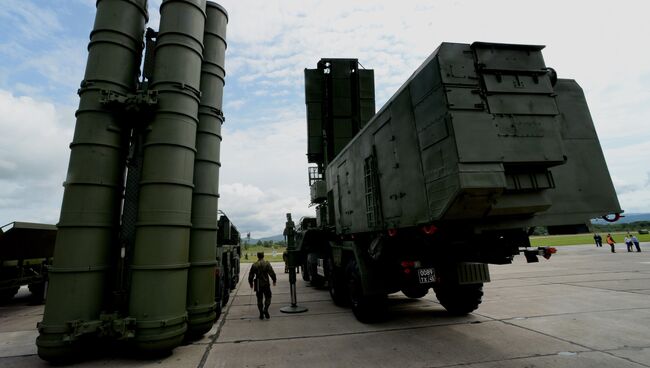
264	172
628	166
32	21
269	45
34	154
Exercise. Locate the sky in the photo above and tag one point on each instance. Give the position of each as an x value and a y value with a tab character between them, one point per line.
600	44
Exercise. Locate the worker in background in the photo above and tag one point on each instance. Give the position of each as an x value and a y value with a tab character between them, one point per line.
635	240
628	242
611	242
598	239
258	279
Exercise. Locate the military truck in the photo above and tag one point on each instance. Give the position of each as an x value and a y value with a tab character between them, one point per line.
26	250
481	144
228	258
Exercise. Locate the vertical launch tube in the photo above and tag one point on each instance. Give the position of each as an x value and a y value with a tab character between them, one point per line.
157	298
203	236
88	226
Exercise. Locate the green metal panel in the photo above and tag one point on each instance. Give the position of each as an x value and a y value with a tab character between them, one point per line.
314	100
201	304
495	145
340	100
160	259
587	188
86	240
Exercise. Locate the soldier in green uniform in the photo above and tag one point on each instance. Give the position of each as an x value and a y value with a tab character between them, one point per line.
289	237
258	279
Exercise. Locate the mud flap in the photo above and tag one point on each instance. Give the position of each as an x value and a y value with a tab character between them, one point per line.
472	273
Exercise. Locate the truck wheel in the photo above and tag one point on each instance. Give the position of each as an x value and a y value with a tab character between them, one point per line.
415	292
38	292
7	294
337	286
225	297
366	308
226	285
316	280
219	297
305	270
217	311
459	299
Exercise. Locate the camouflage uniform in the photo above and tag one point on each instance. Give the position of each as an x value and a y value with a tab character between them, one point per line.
260	272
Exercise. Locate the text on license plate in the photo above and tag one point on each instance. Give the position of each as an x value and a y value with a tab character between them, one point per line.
426	275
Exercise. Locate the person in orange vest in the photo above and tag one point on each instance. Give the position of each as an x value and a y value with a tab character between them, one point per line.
611	242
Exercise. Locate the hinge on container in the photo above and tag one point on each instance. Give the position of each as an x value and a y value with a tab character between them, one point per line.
140	103
115	326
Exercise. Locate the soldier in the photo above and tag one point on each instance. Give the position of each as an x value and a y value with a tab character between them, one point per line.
258	279
598	239
289	232
289	238
285	258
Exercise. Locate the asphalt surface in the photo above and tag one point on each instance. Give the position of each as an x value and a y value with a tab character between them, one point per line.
586	307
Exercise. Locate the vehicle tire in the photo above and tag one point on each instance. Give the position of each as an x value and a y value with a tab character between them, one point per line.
415	292
7	294
226	285
366	308
219	297
305	270
38	292
316	280
459	299
225	297
337	286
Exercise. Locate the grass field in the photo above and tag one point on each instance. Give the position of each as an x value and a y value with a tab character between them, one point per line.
559	240
268	253
536	241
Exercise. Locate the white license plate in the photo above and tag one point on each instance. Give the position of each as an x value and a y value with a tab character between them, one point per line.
320	269
426	275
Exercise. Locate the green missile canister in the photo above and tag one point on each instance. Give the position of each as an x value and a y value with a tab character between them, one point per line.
157	298
90	210
201	303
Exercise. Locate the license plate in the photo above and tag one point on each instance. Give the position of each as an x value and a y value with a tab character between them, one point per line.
426	275
320	269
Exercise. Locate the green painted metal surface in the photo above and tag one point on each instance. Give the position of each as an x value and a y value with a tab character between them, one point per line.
203	236
340	98
481	136
86	238
157	299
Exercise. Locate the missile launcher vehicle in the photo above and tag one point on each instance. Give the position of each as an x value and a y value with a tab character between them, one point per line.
481	144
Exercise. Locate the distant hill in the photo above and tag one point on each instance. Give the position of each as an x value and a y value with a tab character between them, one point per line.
274	238
631	217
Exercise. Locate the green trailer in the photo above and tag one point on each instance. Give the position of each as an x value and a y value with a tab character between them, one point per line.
26	251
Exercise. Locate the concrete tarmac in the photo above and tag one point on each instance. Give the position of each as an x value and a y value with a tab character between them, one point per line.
585	307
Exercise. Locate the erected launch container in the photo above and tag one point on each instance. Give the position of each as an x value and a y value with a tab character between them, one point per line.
201	305
160	257
90	211
123	246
